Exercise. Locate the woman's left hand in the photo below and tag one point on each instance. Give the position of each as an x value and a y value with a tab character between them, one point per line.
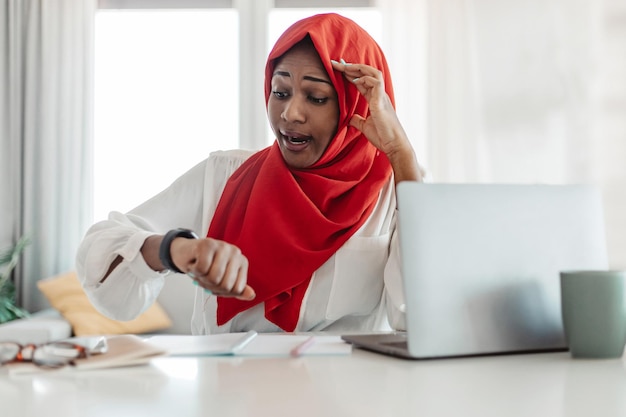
382	126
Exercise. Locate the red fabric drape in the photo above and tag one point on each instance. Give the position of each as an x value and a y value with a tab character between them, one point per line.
287	221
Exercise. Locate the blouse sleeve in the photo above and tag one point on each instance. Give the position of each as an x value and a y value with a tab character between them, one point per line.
133	286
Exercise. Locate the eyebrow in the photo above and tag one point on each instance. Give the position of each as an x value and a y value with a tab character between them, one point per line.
306	77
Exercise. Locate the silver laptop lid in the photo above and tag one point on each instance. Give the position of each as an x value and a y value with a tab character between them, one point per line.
481	263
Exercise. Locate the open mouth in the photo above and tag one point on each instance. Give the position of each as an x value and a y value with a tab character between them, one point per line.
295	143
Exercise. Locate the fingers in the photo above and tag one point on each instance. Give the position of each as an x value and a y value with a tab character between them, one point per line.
221	265
247	294
359	74
356	70
381	125
358	122
217	266
368	81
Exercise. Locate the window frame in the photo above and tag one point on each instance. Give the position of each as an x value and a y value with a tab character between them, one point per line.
253	34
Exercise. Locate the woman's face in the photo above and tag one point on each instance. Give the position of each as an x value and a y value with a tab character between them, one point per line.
303	108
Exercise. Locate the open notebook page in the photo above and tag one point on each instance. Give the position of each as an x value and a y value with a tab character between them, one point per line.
263	344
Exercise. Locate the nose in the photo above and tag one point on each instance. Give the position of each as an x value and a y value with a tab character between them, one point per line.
294	110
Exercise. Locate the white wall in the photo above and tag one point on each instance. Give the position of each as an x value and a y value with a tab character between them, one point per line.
609	144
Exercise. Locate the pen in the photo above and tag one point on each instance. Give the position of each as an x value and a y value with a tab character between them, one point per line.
302	347
241	343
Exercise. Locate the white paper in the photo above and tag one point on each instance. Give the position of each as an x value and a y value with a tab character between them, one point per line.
264	344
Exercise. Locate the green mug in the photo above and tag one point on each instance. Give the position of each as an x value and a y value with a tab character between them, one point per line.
593	306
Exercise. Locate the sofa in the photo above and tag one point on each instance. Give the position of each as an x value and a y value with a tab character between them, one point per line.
71	314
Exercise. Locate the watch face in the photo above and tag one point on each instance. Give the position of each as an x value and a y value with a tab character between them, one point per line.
189	234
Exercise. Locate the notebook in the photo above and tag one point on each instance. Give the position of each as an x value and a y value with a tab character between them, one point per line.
481	263
252	344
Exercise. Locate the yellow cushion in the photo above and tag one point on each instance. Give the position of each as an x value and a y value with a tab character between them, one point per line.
65	293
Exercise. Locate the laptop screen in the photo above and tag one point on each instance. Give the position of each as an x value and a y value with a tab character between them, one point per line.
481	263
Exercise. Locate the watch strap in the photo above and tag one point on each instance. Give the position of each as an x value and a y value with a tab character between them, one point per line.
165	255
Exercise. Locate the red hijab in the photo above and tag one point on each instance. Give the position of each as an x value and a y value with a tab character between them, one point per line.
288	221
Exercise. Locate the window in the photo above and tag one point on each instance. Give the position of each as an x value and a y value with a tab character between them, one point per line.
169	90
166	95
280	19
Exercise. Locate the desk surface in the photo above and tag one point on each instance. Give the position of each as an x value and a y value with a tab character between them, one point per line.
362	384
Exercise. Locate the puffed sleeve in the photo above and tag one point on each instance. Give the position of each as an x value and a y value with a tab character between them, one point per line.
133	286
189	202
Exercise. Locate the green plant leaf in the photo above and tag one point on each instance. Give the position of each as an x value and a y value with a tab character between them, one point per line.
8	260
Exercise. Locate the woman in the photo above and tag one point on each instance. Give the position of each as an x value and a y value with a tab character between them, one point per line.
299	236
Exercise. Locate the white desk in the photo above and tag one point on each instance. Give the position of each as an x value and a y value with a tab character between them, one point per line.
363	384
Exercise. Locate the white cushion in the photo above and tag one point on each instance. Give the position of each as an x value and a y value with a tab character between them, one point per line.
42	327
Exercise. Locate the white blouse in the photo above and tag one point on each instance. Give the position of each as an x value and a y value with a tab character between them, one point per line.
358	289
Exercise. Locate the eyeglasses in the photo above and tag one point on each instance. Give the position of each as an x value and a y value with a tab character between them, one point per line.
49	355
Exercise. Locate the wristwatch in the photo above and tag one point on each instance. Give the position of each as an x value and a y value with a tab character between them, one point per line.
164	250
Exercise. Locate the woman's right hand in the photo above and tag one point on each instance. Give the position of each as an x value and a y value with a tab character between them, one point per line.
381	126
215	265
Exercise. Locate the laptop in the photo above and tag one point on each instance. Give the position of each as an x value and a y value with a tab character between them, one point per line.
481	263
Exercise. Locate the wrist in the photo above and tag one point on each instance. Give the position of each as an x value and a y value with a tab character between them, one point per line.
404	164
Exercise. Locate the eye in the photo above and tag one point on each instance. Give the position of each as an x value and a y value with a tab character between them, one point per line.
280	94
316	100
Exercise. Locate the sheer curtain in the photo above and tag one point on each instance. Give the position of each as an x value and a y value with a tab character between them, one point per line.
511	94
46	123
517	91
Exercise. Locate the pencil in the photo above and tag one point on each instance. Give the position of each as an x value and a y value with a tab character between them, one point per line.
302	347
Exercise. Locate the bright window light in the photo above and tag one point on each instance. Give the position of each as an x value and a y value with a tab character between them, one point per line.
166	95
368	18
